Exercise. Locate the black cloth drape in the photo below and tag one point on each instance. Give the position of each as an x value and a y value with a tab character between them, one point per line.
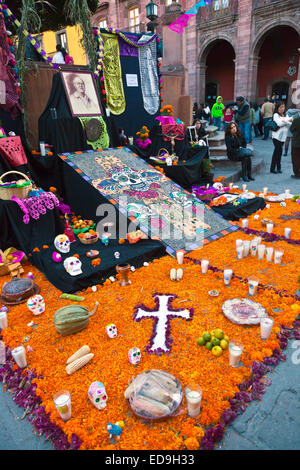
242	211
66	133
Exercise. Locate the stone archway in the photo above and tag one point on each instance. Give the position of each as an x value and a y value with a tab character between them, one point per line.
274	50
216	69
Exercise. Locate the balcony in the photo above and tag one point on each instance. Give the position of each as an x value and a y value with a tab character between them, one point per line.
219	13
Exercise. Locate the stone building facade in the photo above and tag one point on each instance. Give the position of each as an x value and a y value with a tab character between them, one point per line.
231	47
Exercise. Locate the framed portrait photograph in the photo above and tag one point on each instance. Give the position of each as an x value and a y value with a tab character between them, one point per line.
81	93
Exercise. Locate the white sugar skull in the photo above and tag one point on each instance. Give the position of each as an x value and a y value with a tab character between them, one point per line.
111	330
36	304
73	266
218	186
134	355
97	395
62	243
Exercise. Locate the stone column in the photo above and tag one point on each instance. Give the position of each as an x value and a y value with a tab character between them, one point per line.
241	85
253	68
201	82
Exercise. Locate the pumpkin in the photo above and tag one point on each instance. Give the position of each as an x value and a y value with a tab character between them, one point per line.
72	318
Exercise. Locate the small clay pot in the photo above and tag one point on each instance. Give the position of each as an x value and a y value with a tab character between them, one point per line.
123	270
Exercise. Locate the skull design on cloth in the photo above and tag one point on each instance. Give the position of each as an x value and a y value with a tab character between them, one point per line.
73	266
134	355
36	304
133	179
97	395
62	243
111	330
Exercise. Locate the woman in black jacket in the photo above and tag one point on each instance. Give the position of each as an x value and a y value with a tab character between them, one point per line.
237	150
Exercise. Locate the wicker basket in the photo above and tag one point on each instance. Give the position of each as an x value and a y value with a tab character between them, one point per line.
7	193
4	265
88	241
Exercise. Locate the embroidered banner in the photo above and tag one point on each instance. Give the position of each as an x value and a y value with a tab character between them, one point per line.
149	76
113	75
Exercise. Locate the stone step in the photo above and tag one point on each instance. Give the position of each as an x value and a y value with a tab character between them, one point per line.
217	139
219	150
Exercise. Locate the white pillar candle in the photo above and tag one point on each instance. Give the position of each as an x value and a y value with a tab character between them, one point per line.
287	232
204	265
269	253
193	395
253	247
180	256
235	352
3	320
245	223
244	187
19	355
270	228
2	353
265	190
246	248
261	251
278	256
266	325
62	401
240	251
227	276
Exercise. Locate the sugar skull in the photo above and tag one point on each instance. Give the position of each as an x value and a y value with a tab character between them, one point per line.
218	186
36	304
97	395
62	243
73	266
111	330
134	355
135	180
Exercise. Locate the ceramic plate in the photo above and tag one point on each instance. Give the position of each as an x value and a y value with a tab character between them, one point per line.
243	311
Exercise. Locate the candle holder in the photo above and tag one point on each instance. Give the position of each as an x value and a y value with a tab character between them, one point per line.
235	352
62	401
123	270
266	325
193	395
19	355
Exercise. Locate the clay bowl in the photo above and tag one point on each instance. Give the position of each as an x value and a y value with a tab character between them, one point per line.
18	290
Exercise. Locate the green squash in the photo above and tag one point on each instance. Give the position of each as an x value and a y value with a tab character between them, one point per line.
72	319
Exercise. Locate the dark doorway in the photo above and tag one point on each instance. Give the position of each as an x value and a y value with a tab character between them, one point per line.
211	93
281	91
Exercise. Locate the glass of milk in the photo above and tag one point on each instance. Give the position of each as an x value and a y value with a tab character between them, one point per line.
235	352
62	401
19	355
204	265
193	395
266	325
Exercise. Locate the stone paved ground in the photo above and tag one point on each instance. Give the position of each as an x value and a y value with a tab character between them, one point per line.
272	424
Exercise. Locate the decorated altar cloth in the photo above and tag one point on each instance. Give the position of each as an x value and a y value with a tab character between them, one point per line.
149	199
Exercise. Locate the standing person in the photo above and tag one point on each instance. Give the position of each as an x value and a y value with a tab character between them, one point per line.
256	121
267	111
206	109
237	150
279	136
243	118
59	57
295	131
228	116
195	109
217	112
292	112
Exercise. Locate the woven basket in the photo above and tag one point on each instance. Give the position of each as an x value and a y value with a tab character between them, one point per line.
4	265
7	193
88	241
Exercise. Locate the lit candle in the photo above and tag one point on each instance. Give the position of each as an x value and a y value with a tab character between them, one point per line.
265	190
246	248
62	401
266	325
204	265
227	276
193	394
235	352
240	251
253	247
252	286
19	355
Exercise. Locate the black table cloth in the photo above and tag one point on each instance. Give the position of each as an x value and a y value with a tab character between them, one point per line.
242	211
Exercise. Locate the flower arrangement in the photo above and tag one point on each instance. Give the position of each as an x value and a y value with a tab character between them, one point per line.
167	110
143	137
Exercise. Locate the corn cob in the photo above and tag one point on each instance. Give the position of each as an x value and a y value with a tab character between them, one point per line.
81	352
173	274
78	363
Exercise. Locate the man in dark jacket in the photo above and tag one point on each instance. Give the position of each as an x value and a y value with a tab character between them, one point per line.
295	131
243	118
